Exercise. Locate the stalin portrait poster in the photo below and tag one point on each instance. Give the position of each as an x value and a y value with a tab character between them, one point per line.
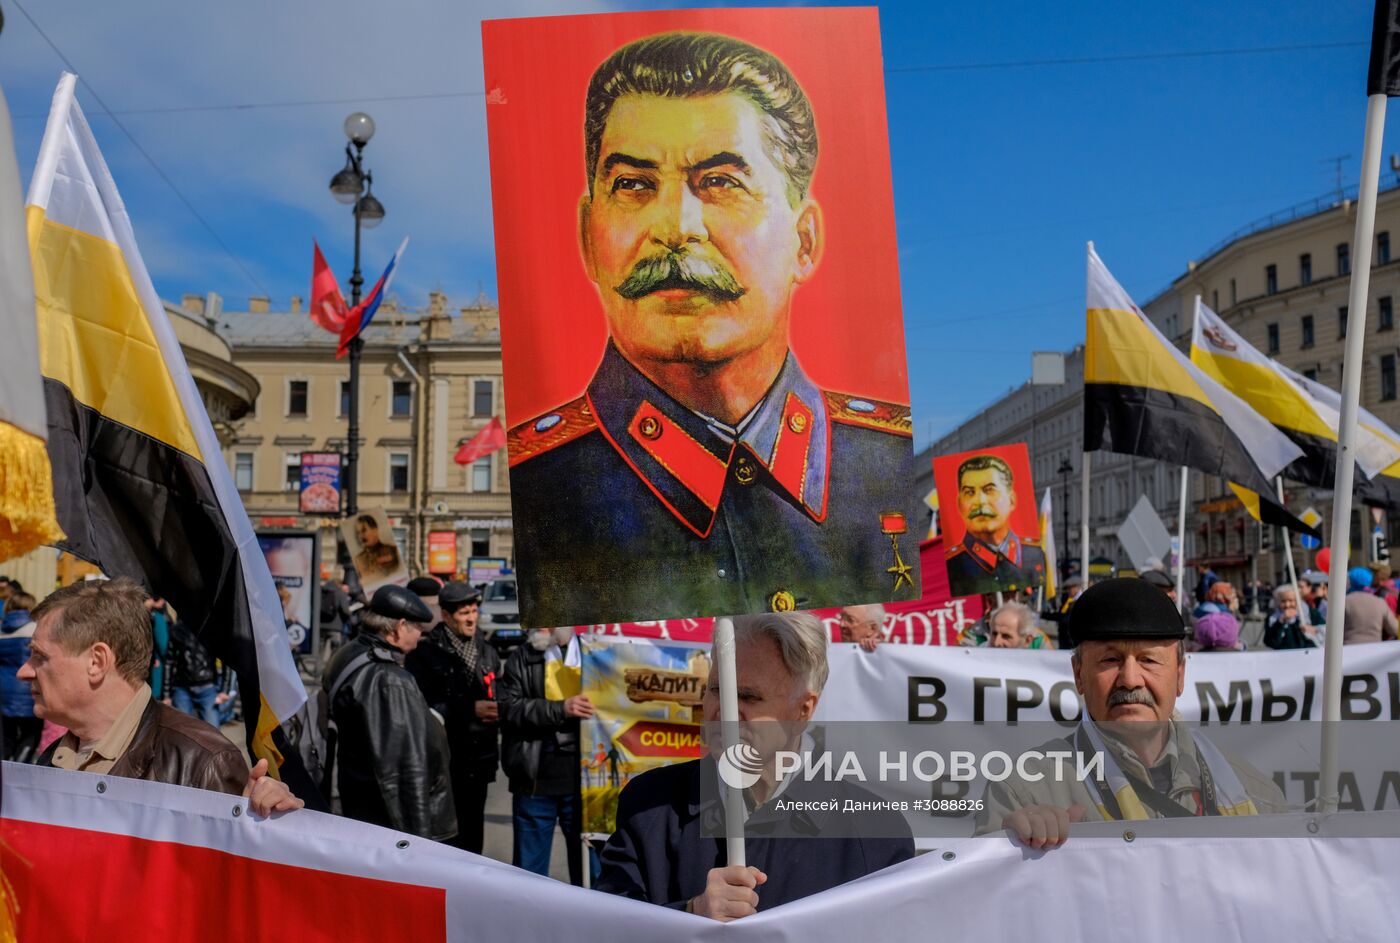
991	527
700	314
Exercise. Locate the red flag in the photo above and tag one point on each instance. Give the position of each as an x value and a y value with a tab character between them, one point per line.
488	440
328	308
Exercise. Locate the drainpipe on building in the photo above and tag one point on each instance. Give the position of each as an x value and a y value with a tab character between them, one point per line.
415	533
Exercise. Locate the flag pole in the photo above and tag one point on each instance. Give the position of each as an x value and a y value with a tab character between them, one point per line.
1287	544
1346	437
1181	541
1084	524
734	812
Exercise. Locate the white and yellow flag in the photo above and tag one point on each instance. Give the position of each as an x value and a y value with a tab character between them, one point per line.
26	482
1047	545
1270	388
140	483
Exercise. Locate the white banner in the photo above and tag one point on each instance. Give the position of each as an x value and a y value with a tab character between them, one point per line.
101	858
919	684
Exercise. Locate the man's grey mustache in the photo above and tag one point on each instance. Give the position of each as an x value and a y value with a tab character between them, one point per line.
679	271
980	512
1131	696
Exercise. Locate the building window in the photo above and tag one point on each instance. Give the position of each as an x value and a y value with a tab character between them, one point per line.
1344	258
1308	337
1386	321
483	398
1388	377
1342	322
401	397
481	475
1273	338
1233	295
1310	373
1305	269
401	536
291	472
1382	248
1215	299
243	471
398	472
1270	279
344	398
296	397
481	542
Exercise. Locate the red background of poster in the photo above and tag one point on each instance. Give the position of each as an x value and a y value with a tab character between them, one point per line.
1025	520
847	322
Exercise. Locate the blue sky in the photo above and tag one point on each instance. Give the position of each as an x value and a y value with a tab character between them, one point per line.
1169	129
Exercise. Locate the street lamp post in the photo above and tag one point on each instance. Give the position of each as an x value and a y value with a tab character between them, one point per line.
354	185
1065	470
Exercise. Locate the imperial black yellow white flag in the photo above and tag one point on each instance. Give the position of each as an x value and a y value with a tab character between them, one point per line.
26	486
1144	397
140	484
1271	390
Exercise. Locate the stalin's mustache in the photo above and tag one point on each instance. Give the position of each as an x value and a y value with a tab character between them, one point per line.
980	512
680	271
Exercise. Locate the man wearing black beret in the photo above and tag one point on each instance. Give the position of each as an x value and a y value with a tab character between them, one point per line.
393	756
457	673
1129	668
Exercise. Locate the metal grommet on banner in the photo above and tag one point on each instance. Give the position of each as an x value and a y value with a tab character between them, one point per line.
949	855
401	844
237	811
1129	835
1312	826
101	786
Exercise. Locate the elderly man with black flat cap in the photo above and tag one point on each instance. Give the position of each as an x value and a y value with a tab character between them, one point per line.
393	755
457	673
1129	668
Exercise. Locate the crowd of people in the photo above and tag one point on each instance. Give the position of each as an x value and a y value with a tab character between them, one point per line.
1291	616
424	714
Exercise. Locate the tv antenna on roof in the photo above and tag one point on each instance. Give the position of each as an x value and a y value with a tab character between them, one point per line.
1337	163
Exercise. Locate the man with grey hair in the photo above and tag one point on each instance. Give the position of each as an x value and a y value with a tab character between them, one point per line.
1013	626
393	757
700	444
668	847
863	625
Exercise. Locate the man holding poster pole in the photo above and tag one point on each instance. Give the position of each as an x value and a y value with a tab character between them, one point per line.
666	849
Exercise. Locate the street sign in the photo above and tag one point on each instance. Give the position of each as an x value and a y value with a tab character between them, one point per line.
1312	519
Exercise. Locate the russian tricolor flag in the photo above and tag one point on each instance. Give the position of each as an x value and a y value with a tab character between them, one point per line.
363	313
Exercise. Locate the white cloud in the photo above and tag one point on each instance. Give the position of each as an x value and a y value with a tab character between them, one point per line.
260	175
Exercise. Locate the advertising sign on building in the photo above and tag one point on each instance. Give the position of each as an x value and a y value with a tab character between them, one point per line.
320	483
442	552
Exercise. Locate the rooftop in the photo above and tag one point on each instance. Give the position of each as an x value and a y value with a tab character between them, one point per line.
245	329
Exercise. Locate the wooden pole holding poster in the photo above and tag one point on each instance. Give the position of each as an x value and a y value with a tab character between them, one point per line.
1287	546
723	648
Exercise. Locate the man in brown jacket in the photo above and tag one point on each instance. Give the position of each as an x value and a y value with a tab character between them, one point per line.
87	667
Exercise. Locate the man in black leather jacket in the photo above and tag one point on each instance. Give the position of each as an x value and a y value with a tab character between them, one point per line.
540	751
458	673
392	751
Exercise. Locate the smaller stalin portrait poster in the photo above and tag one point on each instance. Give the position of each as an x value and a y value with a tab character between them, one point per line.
987	512
700	314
